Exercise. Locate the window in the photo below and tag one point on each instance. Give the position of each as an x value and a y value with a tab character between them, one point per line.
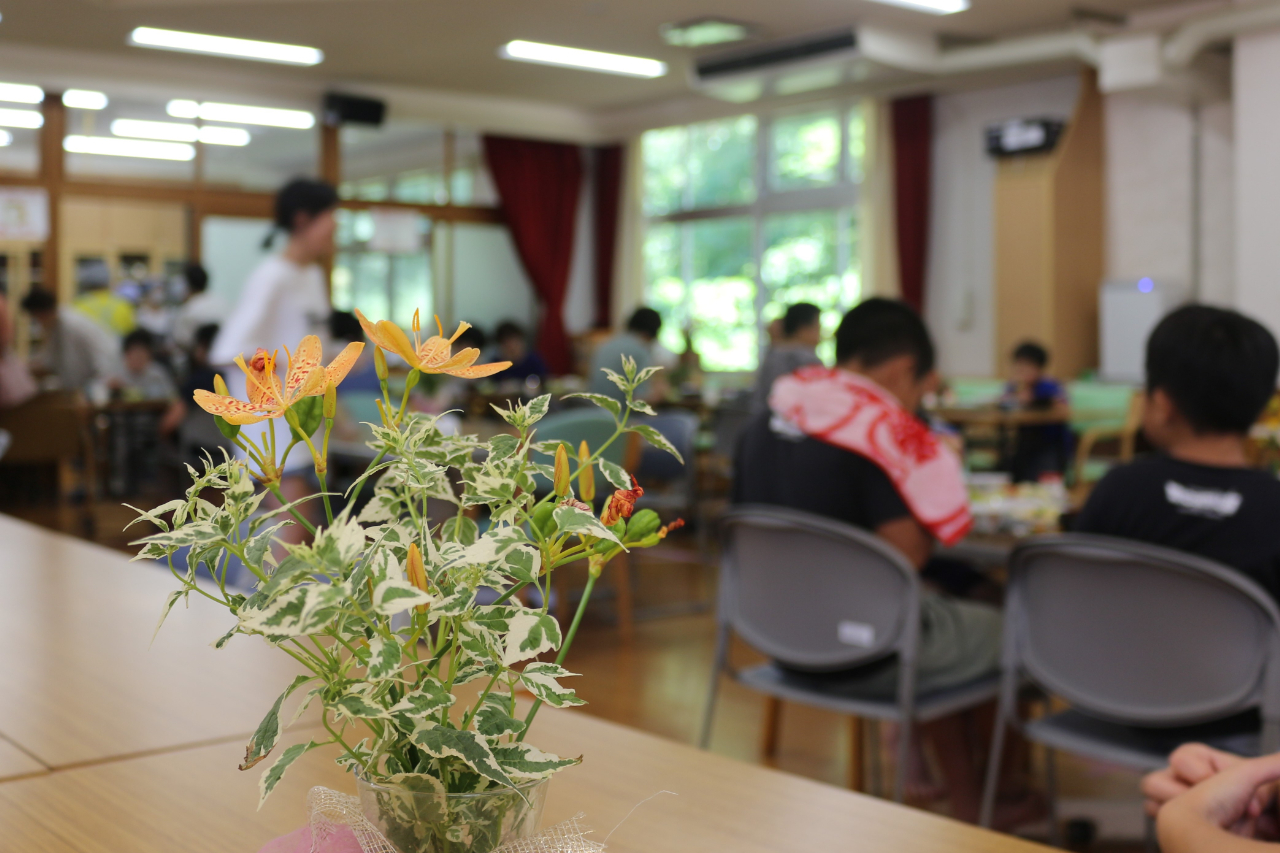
390	285
735	234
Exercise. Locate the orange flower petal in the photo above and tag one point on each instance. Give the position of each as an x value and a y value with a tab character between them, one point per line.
302	364
434	351
397	341
230	409
371	330
463	358
341	366
479	371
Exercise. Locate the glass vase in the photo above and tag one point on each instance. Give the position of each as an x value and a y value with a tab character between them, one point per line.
427	822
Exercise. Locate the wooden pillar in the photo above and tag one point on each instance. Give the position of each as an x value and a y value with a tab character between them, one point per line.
1049	242
330	154
52	176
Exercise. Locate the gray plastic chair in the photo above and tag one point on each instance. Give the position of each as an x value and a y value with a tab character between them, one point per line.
824	596
1145	643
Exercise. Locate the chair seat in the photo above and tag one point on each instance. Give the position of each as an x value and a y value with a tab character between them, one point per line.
846	697
1137	747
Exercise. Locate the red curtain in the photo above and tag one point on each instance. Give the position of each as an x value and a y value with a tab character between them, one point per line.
539	184
608	191
912	176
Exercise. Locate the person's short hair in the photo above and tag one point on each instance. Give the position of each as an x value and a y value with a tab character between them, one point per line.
1217	366
301	195
205	335
343	326
802	315
1032	352
645	321
880	329
196	276
39	300
140	338
508	329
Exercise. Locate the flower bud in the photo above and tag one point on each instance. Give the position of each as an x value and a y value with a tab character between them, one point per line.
220	385
561	481
414	570
330	401
380	364
412	380
586	474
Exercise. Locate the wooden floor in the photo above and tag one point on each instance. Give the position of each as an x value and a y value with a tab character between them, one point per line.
658	682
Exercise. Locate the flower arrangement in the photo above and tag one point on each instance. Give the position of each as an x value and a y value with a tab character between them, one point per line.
380	608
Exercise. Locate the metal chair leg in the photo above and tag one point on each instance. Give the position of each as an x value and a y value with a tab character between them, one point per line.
1051	794
769	732
903	769
857	755
991	783
873	752
717	667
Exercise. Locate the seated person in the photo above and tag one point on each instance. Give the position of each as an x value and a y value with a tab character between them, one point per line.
1210	373
100	303
197	431
879	468
1041	448
79	353
200	308
513	346
1209	801
636	341
142	378
797	347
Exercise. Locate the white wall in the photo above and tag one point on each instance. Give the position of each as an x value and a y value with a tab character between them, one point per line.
1257	203
960	283
1217	204
489	284
230	248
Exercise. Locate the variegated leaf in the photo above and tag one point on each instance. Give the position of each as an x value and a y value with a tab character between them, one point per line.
494	722
614	473
428	698
275	772
657	439
604	401
358	705
530	634
523	762
540	679
570	519
394	596
384	658
467	746
268	731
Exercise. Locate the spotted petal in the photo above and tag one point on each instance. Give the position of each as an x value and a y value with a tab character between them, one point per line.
463	358
433	352
341	366
302	365
263	385
230	409
479	371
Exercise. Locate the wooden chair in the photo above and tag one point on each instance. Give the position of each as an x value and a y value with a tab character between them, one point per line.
53	429
1121	434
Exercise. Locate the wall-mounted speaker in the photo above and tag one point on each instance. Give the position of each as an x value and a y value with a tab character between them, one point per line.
353	109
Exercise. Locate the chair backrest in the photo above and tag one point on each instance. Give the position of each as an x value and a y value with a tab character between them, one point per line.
49	427
1139	634
975	391
1099	404
680	427
815	593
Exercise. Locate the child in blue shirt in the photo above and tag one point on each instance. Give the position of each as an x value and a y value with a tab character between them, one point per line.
1042	448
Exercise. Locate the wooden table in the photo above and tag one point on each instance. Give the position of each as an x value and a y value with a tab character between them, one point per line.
81	680
196	801
144	744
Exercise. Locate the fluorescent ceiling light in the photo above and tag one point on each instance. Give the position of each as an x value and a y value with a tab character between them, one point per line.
6	138
21	93
237	114
128	147
20	118
590	60
84	99
237	136
175	132
933	7
266	51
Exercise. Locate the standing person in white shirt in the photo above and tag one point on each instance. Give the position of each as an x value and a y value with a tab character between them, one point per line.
284	299
200	309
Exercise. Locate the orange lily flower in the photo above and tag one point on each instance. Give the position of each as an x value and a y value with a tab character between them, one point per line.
621	504
268	398
434	355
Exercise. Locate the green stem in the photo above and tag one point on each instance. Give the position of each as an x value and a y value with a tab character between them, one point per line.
360	485
510	592
275	490
324	494
564	647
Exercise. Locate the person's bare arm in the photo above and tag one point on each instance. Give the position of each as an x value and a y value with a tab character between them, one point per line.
909	537
1222	814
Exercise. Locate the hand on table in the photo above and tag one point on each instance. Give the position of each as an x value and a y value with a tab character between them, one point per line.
1189	765
1238	799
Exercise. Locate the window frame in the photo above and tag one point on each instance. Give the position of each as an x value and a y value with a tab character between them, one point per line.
842	196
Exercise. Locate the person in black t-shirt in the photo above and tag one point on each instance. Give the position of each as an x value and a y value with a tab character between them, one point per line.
1210	373
887	343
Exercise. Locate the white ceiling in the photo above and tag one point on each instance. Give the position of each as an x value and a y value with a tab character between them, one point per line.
452	44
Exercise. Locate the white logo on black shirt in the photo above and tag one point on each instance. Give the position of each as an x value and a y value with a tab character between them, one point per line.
1207	502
